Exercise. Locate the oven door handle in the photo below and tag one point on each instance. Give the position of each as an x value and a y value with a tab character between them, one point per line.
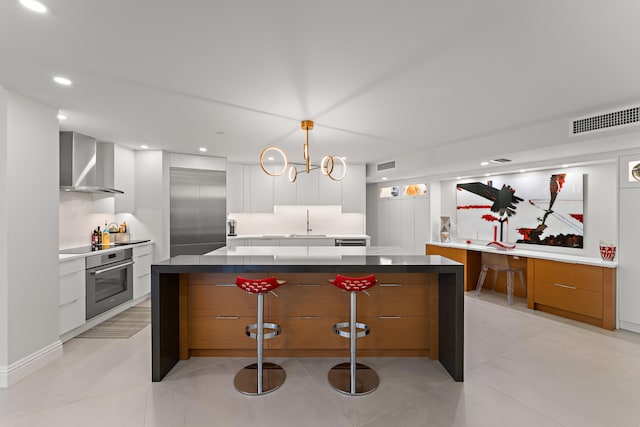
117	267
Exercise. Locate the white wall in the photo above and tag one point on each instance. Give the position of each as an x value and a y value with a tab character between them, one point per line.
4	231
29	181
77	219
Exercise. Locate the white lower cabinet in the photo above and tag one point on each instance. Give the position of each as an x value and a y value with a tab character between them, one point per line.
142	258
72	292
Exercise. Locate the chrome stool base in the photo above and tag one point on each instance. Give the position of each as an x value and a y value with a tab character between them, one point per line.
366	379
246	380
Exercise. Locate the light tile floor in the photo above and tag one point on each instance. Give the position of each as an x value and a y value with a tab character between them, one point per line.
522	368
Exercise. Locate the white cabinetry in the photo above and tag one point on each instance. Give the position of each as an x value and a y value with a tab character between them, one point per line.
72	292
124	166
354	190
260	190
249	189
142	258
235	188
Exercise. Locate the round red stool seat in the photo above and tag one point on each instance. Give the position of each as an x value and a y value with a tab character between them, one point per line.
354	284
258	286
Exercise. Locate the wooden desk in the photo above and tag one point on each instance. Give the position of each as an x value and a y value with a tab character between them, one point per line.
558	284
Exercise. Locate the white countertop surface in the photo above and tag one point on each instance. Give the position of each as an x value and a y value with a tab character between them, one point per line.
574	259
298	236
309	251
68	257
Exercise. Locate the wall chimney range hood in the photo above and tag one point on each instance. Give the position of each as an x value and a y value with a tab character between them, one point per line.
86	165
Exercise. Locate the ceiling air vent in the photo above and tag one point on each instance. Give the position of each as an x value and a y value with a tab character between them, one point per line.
500	161
385	166
614	119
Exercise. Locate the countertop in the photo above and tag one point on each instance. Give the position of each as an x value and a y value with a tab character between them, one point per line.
301	256
574	259
83	254
299	236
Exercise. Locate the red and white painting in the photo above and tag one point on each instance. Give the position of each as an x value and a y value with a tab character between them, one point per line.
533	208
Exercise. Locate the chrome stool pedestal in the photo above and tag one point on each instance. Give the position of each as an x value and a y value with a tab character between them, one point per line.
261	377
353	378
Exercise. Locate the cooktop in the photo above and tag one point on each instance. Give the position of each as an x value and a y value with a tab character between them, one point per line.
89	249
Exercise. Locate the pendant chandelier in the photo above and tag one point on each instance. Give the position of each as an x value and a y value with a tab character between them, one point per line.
327	164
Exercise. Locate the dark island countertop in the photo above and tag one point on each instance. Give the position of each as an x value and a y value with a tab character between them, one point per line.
366	260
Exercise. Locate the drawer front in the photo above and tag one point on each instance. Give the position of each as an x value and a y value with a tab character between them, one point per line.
569	298
583	277
73	266
142	265
141	285
72	286
308	296
308	332
72	315
396	332
401	295
220	332
142	250
222	299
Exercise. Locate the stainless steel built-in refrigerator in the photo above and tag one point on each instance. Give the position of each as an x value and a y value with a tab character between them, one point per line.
198	211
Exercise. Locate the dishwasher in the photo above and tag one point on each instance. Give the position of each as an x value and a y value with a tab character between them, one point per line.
351	242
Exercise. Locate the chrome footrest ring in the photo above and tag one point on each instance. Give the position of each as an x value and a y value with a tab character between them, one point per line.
337	329
250	328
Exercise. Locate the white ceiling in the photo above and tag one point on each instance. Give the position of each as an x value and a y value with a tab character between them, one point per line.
378	77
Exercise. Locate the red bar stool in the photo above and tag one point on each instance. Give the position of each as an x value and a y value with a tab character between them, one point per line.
261	377
353	378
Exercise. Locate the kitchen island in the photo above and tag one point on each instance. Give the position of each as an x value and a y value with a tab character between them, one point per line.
198	311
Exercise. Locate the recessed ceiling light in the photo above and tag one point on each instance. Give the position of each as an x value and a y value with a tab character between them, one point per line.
487	174
270	158
62	117
565	166
523	170
458	177
384	178
62	81
144	147
484	163
34	6
203	149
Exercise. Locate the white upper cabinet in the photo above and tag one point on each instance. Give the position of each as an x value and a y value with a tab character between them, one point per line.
249	189
307	188
124	178
235	188
260	190
354	190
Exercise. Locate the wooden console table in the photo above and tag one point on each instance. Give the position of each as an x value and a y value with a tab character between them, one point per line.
578	288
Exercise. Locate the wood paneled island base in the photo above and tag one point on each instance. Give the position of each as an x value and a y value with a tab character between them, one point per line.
416	309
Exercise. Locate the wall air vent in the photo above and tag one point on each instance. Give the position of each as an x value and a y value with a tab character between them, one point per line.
385	166
614	119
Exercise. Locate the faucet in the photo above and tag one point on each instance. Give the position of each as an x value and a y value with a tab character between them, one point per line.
308	229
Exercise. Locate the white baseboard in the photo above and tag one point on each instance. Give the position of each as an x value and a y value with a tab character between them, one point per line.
630	326
27	365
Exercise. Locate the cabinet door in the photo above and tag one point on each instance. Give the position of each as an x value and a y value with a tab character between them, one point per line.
329	191
124	179
235	188
261	187
142	257
354	189
307	188
284	191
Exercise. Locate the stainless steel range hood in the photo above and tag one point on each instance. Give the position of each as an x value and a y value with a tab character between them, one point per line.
86	165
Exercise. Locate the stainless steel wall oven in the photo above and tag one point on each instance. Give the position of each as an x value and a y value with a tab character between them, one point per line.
109	281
